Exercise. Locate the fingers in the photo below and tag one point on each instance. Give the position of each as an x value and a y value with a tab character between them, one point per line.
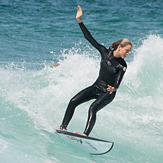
110	89
79	8
79	14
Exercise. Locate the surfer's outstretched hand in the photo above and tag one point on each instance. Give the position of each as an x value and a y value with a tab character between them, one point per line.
79	14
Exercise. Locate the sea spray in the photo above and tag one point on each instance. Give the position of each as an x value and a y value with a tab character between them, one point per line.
35	100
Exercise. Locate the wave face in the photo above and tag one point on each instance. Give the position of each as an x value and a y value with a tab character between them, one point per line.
34	96
34	100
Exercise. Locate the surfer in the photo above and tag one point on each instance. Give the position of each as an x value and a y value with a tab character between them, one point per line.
112	69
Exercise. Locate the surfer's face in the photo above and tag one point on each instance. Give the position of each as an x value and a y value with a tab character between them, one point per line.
124	51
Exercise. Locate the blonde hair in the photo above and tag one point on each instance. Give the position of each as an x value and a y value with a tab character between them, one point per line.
123	42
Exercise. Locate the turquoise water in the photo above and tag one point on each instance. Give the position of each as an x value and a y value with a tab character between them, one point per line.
34	96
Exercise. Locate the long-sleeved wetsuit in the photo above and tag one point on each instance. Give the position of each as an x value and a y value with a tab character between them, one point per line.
111	73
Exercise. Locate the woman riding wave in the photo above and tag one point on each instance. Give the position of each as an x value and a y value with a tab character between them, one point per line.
112	69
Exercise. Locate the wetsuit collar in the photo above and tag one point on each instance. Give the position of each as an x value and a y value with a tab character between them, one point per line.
111	52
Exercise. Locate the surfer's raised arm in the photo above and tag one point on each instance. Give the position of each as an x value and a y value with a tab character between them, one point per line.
87	34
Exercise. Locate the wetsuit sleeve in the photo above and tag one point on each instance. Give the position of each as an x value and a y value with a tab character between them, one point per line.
89	37
119	77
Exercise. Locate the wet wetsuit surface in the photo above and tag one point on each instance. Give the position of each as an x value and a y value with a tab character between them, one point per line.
111	73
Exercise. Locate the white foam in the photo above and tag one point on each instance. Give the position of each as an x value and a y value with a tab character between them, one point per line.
44	94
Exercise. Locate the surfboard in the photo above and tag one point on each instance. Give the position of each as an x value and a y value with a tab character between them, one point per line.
93	145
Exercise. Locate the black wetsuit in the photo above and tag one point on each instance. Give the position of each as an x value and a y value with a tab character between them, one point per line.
111	72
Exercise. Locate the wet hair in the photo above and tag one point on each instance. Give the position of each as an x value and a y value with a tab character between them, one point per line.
123	42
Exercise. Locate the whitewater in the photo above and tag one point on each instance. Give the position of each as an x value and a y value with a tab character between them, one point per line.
33	101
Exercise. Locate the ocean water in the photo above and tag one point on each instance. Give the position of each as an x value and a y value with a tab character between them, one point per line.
33	96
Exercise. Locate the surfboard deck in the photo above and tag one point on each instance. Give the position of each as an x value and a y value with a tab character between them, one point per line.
93	145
